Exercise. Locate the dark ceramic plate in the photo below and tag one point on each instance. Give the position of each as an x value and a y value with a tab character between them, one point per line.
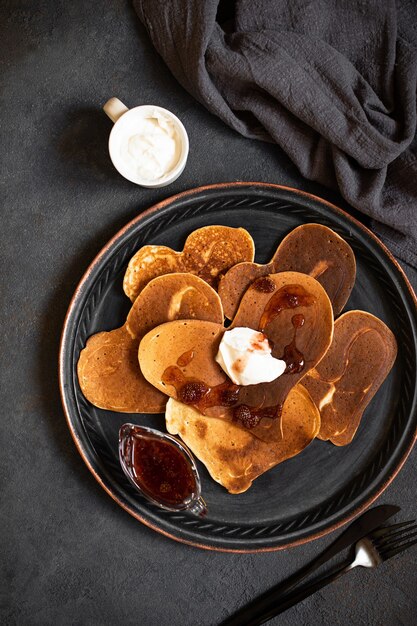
324	486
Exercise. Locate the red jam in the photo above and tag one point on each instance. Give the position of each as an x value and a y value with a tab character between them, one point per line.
199	394
250	417
288	297
292	356
161	470
185	358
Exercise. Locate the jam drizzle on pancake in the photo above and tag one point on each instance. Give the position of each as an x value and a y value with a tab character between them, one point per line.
185	358
288	297
292	355
198	394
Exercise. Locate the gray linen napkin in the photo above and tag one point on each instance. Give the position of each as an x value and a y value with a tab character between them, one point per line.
332	82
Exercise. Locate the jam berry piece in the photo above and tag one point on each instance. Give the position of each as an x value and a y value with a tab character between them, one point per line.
191	393
229	397
292	300
243	414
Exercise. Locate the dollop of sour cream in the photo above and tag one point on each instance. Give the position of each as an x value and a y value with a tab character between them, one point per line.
245	355
150	147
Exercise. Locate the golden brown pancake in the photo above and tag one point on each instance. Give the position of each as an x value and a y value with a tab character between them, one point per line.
312	249
202	383
359	359
233	457
194	341
208	253
108	368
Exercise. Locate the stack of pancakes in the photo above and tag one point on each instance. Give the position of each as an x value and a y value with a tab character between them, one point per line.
180	301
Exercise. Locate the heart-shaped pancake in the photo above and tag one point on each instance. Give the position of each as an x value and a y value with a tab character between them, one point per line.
108	367
312	249
290	308
359	359
208	253
234	457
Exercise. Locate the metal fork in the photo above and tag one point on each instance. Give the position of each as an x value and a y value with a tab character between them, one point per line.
374	549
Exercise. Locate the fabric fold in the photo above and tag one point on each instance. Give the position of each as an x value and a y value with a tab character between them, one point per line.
332	83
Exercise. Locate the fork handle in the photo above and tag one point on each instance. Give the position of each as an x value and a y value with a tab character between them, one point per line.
266	608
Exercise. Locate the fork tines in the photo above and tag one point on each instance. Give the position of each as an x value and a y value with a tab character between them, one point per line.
392	540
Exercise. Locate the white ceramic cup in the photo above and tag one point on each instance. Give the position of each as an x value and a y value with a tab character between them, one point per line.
124	121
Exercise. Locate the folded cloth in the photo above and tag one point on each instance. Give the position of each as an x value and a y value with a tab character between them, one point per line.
332	82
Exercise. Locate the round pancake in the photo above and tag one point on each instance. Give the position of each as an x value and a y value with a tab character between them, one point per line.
163	347
233	457
359	359
208	253
110	377
108	367
312	249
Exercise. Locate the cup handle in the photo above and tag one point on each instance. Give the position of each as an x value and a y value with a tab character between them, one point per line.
114	108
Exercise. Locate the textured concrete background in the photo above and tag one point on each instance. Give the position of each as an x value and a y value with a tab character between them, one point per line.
69	554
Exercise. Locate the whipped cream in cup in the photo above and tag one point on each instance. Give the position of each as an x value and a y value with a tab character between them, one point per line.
148	145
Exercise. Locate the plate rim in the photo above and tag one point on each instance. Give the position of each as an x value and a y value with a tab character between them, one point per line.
62	353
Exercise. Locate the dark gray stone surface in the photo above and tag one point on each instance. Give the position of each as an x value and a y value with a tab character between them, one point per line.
69	554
